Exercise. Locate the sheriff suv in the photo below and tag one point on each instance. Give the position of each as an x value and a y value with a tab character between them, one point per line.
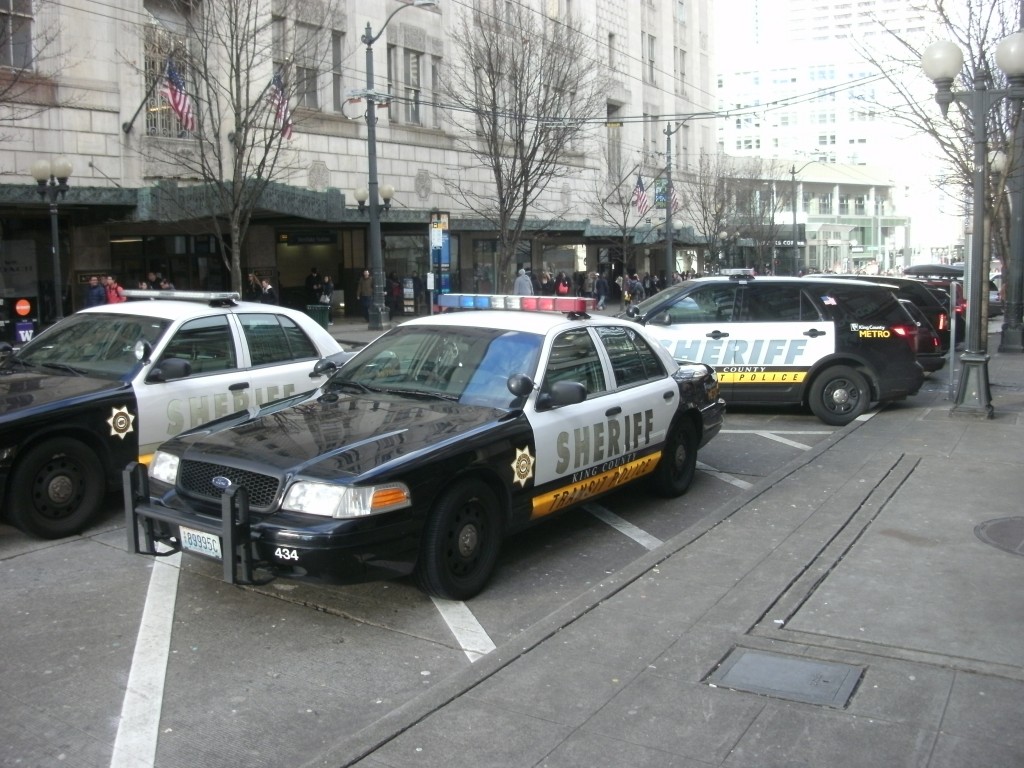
832	345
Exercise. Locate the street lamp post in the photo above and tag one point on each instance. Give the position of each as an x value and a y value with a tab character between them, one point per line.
378	312
942	62
793	170
52	180
670	257
1010	59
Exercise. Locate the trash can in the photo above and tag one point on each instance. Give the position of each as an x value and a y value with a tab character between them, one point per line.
319	312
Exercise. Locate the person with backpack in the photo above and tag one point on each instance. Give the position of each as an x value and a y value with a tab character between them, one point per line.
636	290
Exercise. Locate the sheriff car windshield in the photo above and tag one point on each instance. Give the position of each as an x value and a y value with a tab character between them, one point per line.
91	344
464	364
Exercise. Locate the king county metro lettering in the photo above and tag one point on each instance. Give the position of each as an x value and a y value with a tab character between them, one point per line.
606	439
739	352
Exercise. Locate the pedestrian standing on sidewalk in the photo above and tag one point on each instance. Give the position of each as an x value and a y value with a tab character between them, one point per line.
523	285
95	294
365	293
326	294
601	290
269	295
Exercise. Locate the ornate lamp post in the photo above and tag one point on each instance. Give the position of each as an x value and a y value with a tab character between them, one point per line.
942	62
52	179
378	312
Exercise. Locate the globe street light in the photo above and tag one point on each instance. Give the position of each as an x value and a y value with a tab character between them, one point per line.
942	62
52	179
378	312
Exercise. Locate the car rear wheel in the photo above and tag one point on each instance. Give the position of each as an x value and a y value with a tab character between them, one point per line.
839	395
460	542
678	461
56	489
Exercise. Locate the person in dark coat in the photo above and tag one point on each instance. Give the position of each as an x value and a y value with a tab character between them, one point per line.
95	294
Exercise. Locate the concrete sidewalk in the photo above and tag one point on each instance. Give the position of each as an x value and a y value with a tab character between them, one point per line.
863	606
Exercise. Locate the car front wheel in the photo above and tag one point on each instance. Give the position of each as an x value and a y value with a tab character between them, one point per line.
56	489
460	543
839	395
678	462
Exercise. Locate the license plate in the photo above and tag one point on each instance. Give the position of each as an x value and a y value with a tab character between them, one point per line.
200	542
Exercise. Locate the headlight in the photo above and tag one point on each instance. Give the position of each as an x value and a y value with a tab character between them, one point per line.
342	501
164	467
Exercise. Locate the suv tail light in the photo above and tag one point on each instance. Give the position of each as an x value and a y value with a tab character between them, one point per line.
909	334
942	322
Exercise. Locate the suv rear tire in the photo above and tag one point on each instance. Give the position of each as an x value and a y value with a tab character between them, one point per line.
839	394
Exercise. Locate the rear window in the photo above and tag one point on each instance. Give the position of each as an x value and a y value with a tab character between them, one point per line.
275	339
862	304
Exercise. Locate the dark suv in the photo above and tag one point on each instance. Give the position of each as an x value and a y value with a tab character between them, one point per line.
832	345
918	293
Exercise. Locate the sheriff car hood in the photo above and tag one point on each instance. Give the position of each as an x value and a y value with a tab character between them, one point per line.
25	394
331	437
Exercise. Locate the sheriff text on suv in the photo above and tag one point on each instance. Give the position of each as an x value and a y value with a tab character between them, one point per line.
832	345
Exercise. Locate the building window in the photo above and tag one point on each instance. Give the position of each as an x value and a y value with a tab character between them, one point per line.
648	43
160	118
16	34
412	86
306	75
680	64
612	57
825	203
435	89
337	81
392	77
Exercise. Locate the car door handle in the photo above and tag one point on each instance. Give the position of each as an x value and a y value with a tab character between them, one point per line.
669	395
238	386
613	411
814	333
716	335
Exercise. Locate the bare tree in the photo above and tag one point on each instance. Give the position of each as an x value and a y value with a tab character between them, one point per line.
755	191
612	198
524	88
30	64
711	202
975	26
242	63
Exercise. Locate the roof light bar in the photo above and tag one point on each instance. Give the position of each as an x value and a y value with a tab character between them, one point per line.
577	304
182	295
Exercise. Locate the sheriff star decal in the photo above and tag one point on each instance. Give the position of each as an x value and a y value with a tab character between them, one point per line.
522	467
120	422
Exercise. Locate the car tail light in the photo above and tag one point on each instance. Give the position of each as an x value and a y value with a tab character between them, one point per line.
908	333
942	322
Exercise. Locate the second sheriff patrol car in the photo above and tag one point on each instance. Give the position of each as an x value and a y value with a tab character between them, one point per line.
832	345
429	446
106	385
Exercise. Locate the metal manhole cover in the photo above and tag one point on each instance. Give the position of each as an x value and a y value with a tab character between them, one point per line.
1006	533
788	677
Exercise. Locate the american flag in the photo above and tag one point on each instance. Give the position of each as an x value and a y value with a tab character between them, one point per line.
674	199
640	200
282	114
181	103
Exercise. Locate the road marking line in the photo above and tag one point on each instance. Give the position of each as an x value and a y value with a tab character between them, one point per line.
624	527
139	726
778	431
471	637
724	476
785	441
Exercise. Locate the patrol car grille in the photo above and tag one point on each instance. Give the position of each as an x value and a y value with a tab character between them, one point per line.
196	479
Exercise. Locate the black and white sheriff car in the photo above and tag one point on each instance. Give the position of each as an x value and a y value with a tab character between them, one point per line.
107	385
430	445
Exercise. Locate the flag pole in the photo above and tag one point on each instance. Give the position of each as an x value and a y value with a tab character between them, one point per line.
127	127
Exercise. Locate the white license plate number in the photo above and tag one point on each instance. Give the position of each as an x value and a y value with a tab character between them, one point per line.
200	542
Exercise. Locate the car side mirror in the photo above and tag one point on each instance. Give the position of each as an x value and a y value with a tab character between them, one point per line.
324	367
170	368
633	311
662	318
562	393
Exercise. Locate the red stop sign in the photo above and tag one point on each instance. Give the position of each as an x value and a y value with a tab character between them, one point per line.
23	307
